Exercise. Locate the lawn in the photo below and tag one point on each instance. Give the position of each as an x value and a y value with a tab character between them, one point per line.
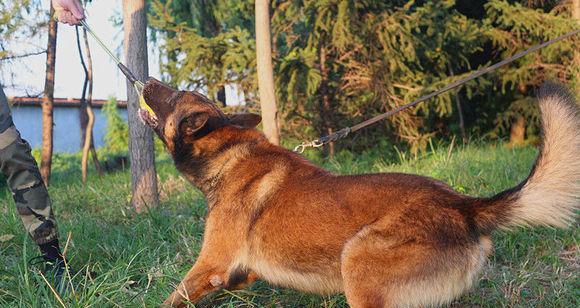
136	259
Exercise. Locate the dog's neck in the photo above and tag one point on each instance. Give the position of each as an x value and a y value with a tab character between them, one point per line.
211	164
205	164
221	165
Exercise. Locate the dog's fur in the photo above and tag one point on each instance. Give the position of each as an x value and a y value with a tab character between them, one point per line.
385	240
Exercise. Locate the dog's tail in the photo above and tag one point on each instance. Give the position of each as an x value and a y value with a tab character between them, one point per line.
551	193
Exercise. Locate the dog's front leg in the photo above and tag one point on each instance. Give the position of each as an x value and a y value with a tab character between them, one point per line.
203	278
219	264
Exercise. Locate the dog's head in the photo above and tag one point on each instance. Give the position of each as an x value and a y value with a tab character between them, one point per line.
183	119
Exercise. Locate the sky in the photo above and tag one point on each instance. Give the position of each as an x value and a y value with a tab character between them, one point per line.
69	75
29	73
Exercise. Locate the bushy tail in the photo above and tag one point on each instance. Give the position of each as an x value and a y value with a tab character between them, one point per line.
551	193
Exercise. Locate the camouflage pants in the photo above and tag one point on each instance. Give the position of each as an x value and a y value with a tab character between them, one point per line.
24	180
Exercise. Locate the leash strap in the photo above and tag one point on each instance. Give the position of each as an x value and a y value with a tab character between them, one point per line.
345	131
137	84
125	70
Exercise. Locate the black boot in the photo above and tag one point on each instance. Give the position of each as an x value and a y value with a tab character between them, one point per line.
56	270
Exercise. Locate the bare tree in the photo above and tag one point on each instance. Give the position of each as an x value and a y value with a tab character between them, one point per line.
141	148
48	101
87	116
265	72
89	111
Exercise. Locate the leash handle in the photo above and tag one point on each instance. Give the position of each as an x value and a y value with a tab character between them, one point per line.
345	131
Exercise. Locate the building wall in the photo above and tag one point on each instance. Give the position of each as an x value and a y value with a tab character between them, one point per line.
28	120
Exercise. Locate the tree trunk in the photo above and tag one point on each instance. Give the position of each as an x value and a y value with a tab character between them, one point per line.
265	72
88	145
48	101
326	109
83	116
221	96
518	131
459	109
86	115
141	149
576	17
461	120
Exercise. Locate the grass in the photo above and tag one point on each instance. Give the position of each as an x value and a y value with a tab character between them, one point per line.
139	258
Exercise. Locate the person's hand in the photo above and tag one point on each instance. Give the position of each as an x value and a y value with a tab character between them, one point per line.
68	11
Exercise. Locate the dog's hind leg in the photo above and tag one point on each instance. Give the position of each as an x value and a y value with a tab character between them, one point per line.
380	270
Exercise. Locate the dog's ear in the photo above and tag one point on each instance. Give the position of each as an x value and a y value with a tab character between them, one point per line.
193	123
248	120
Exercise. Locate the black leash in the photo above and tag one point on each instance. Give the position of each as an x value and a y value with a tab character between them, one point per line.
347	130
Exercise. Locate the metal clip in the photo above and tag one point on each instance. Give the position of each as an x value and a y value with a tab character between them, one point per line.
311	144
316	143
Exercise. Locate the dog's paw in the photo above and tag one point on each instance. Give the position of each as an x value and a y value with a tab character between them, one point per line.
216	281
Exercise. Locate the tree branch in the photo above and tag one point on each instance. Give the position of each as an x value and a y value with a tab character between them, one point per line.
36	53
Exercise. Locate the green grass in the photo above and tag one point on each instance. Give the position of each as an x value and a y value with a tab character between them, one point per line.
138	258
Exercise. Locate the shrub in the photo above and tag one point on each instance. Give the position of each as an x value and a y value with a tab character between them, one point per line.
117	136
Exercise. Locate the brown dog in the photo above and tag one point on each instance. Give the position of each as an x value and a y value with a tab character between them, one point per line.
385	240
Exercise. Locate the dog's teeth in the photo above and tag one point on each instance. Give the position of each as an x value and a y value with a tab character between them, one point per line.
147	119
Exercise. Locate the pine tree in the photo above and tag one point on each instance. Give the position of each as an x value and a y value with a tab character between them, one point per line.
208	45
514	27
335	77
339	62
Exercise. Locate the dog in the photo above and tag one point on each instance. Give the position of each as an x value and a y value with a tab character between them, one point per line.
385	240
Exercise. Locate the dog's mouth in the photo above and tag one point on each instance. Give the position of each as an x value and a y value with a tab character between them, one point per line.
149	119
156	103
